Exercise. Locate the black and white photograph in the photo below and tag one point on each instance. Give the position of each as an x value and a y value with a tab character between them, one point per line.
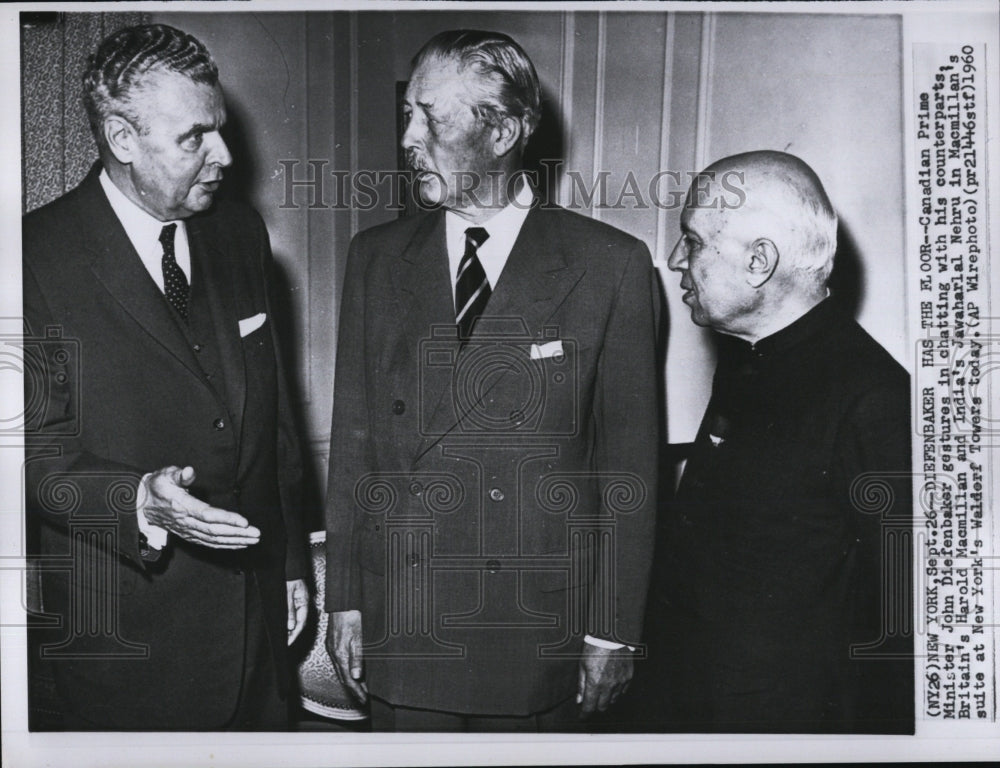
461	383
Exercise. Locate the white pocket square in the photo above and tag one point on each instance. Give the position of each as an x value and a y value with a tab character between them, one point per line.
251	324
549	349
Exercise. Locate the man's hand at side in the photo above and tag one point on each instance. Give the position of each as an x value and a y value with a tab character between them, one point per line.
343	643
298	607
604	675
165	502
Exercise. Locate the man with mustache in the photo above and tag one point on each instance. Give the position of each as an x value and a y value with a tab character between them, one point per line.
493	456
778	609
162	464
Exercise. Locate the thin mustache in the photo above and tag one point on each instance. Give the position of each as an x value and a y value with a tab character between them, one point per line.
414	161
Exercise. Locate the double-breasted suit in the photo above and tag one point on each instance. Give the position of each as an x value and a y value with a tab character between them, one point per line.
120	386
492	501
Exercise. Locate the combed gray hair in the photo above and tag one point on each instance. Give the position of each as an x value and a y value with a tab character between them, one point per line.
116	70
512	88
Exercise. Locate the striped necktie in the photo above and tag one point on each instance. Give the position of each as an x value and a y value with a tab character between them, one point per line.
472	289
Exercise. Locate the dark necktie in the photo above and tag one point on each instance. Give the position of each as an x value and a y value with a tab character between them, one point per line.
175	284
472	289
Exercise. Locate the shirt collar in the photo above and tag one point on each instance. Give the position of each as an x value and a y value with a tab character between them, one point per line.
509	218
503	229
805	327
516	210
143	229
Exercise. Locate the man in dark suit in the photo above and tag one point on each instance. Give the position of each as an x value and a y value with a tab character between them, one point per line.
162	465
778	609
493	462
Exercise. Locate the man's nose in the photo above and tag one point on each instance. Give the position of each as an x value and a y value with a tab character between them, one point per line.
218	152
411	135
677	261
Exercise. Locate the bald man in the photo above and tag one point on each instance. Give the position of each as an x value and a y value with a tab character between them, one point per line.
772	606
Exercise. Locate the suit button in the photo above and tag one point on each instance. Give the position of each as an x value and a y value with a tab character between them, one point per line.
219	424
416	488
496	494
236	490
197	347
493	565
398	407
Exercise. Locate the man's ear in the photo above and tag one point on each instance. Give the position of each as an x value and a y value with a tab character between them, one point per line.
506	135
120	136
763	261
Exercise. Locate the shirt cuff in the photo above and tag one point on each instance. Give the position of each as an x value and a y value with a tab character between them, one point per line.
609	644
156	537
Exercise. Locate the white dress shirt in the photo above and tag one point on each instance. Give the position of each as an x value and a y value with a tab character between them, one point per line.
503	228
143	232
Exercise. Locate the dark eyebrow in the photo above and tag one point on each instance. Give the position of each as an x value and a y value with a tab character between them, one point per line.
198	128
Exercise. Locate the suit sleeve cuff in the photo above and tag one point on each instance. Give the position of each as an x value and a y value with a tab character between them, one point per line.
156	537
609	644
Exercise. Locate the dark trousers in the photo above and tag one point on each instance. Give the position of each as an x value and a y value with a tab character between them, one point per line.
259	705
563	718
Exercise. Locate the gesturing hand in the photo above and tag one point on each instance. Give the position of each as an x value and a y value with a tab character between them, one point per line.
343	643
164	500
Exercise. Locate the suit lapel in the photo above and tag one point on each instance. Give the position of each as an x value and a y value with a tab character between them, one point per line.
533	285
426	315
118	267
423	285
536	279
213	266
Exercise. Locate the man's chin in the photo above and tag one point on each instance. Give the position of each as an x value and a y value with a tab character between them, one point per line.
431	188
698	318
196	203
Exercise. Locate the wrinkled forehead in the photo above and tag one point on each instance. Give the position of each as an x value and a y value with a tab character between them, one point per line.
174	97
761	210
704	199
704	220
441	76
716	219
445	80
